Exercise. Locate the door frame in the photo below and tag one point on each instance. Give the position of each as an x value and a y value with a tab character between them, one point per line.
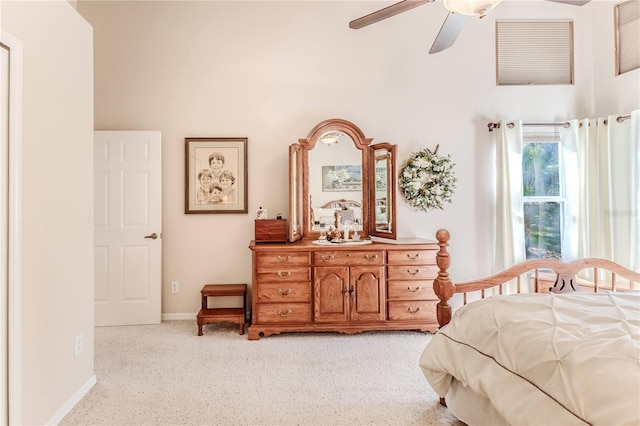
14	246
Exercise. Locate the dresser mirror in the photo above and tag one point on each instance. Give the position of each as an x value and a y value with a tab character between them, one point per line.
333	183
382	178
295	193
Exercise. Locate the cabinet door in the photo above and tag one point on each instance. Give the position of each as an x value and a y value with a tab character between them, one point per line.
367	293
331	298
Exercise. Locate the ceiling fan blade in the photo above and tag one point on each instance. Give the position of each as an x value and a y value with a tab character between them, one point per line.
385	13
449	32
572	2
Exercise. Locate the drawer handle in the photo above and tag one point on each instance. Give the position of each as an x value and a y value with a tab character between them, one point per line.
367	257
326	259
413	311
284	259
285	274
284	314
284	293
415	289
417	256
413	271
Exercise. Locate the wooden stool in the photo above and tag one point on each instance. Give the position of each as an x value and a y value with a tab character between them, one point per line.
235	315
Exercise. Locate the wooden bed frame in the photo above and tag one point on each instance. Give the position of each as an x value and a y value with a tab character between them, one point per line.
337	205
539	270
341	204
542	272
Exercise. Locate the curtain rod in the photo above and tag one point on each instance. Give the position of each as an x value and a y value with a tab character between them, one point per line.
492	126
566	125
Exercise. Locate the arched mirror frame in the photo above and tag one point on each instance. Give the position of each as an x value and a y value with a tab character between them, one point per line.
361	143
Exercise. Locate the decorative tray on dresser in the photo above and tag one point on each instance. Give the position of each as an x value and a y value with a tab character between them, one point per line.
347	288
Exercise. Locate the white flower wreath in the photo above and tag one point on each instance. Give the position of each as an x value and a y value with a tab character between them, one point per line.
426	180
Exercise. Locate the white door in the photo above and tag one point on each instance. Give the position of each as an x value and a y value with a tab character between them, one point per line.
127	224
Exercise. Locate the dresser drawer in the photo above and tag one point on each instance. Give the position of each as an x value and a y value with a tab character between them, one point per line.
419	310
411	290
421	272
283	275
412	257
348	258
280	259
284	292
283	313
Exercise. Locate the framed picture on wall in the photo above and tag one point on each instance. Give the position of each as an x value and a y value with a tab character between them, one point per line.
215	175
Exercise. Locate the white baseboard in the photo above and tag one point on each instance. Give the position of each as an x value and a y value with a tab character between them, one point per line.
73	401
179	317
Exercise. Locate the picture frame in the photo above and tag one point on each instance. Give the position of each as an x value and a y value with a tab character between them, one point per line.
381	178
216	175
341	178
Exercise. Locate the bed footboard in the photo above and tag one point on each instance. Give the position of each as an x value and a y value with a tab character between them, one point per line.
590	274
442	285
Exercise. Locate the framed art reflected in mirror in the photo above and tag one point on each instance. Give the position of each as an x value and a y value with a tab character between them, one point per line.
216	175
341	178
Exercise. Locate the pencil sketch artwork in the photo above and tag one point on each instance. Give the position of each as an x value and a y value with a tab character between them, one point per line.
341	178
216	176
216	180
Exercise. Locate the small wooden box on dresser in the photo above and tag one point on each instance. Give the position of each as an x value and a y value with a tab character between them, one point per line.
302	286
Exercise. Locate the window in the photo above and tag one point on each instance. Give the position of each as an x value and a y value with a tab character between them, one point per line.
627	16
543	196
534	52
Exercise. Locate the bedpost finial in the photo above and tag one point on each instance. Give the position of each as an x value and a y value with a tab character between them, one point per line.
442	235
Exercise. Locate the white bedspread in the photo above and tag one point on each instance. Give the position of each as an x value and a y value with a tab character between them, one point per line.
544	359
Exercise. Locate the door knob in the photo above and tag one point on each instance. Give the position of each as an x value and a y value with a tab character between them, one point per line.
152	236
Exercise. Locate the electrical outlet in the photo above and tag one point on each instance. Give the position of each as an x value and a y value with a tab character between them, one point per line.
79	344
175	287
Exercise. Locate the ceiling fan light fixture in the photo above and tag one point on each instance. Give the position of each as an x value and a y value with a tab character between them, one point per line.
330	138
471	7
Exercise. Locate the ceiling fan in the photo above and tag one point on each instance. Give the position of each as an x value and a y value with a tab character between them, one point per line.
459	12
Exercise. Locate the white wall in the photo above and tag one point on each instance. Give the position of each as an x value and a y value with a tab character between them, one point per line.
271	71
614	95
57	203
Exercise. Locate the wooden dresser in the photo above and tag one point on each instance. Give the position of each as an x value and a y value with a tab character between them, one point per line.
302	286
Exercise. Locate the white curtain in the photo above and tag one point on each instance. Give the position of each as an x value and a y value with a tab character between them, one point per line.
509	245
609	206
587	149
634	190
601	159
569	154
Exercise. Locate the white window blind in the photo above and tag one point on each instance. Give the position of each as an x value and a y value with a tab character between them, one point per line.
534	52
627	17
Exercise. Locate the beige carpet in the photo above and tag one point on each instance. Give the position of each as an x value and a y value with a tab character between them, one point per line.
166	375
